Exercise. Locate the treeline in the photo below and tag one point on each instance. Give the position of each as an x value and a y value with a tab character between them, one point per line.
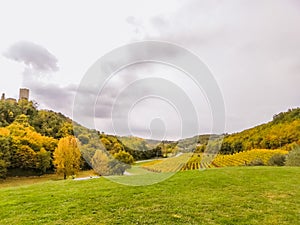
29	138
22	148
283	132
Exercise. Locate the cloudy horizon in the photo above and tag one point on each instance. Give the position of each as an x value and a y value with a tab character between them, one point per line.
250	47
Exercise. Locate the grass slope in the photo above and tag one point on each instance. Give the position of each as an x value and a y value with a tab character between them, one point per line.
239	195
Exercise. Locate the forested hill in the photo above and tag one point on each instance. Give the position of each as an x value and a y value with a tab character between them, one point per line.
45	122
29	137
282	132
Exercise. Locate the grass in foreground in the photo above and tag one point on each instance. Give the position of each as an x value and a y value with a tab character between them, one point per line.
240	195
21	181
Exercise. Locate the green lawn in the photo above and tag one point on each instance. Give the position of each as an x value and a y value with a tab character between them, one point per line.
240	195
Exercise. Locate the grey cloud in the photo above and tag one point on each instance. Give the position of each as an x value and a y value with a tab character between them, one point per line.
35	56
53	96
251	46
39	62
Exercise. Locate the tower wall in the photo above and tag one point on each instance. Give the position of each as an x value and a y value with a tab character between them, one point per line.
24	94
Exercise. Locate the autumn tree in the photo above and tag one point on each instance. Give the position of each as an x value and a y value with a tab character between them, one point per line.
24	157
28	149
104	164
67	156
124	157
100	163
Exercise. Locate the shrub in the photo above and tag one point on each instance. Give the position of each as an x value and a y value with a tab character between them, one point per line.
293	158
3	169
257	162
277	160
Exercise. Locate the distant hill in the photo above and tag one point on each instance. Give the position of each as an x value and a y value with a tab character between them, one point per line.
283	132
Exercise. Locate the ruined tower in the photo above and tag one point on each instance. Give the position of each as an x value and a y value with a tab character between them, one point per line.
24	94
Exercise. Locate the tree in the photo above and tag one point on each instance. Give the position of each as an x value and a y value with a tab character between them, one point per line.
24	158
117	147
52	124
43	160
124	157
67	156
66	130
106	165
8	112
100	163
293	158
5	156
3	169
277	160
26	144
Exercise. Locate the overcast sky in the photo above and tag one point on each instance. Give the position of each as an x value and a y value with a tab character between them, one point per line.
252	49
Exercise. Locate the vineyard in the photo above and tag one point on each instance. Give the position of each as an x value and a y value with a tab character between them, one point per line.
246	158
190	161
169	164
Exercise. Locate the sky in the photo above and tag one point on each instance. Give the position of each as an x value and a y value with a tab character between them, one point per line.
251	49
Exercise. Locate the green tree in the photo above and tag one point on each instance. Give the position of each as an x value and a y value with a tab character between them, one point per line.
43	161
3	169
52	124
67	156
277	160
8	112
84	139
24	158
66	130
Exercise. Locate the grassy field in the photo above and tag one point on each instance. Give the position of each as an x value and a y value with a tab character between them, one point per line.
237	195
21	181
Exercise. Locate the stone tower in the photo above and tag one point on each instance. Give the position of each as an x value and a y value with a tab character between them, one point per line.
24	94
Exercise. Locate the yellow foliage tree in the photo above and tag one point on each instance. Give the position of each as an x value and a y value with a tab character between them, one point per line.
67	156
100	163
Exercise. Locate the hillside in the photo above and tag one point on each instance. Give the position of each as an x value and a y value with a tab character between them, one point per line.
283	132
29	137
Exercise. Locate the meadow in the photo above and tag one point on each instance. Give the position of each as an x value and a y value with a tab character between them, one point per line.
229	195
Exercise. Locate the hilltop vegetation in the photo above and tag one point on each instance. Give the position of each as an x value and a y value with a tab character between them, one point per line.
282	132
29	138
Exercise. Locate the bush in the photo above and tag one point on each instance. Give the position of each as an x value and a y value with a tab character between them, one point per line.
257	162
3	169
293	158
277	160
